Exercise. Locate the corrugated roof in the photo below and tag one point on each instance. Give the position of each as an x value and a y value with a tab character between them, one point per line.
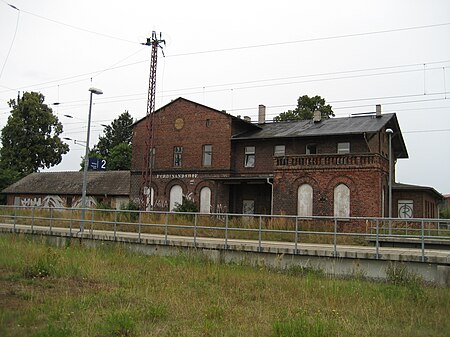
327	127
98	183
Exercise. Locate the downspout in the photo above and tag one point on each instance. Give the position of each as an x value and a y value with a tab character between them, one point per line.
271	197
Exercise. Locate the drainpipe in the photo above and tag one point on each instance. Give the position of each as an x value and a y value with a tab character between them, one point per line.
271	197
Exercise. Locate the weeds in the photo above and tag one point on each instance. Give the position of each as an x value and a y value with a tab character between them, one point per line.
304	326
108	291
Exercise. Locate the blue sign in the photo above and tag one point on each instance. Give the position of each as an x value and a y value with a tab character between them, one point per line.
97	164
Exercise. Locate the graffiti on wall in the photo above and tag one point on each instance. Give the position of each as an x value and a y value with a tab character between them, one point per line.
48	201
54	201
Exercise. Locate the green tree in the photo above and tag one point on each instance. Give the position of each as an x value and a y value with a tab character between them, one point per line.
119	157
30	138
7	178
115	144
306	106
120	131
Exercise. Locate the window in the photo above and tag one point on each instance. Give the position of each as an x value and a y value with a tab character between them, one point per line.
208	123
311	149
176	197
279	151
207	155
249	156
177	152
305	200
151	158
405	209
341	201
343	148
205	200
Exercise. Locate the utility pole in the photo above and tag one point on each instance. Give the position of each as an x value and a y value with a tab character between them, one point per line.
148	156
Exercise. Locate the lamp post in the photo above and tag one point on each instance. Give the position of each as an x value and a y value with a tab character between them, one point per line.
390	132
86	159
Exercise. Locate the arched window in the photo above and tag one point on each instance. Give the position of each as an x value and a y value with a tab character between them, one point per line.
341	201
305	200
205	200
176	196
150	197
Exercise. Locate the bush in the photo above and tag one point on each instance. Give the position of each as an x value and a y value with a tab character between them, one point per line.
187	206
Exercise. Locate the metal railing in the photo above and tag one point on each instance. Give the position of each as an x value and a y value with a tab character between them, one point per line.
295	231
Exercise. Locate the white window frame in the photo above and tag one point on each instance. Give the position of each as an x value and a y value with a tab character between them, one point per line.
250	156
207	155
343	148
279	150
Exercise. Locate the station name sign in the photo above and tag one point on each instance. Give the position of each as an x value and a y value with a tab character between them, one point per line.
177	176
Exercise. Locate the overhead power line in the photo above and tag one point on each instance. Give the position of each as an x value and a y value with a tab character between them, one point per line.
12	42
70	26
334	37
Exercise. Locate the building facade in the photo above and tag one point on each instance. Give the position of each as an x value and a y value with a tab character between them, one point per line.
337	166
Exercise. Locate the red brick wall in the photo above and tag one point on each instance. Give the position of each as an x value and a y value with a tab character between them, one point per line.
365	190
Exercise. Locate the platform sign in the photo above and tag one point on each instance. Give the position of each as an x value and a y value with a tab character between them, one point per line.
97	164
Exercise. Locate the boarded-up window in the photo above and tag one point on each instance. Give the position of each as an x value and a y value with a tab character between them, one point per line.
248	206
176	196
305	200
279	150
341	201
406	209
205	200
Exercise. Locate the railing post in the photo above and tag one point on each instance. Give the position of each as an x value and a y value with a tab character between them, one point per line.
335	238
32	219
15	219
51	220
377	241
423	242
115	225
296	236
139	226
260	233
195	230
92	222
166	227
70	223
226	231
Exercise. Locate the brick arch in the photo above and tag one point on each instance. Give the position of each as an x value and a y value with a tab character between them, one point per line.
347	181
306	180
173	182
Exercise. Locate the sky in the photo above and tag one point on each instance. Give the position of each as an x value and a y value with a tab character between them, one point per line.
234	55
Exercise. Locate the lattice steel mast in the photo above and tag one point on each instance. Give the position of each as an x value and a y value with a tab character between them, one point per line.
148	156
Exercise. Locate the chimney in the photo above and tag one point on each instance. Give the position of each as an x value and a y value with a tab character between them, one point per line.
261	114
247	119
317	116
378	111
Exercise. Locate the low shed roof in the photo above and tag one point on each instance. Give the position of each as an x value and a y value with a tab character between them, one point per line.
60	183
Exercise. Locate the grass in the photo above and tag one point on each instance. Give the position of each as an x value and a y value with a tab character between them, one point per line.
109	291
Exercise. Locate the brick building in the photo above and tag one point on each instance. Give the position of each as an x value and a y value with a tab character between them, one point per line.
337	166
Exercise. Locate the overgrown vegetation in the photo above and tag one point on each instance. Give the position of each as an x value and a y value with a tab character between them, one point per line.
108	291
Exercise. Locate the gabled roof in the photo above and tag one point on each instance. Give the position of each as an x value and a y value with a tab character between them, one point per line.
71	183
330	127
236	119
